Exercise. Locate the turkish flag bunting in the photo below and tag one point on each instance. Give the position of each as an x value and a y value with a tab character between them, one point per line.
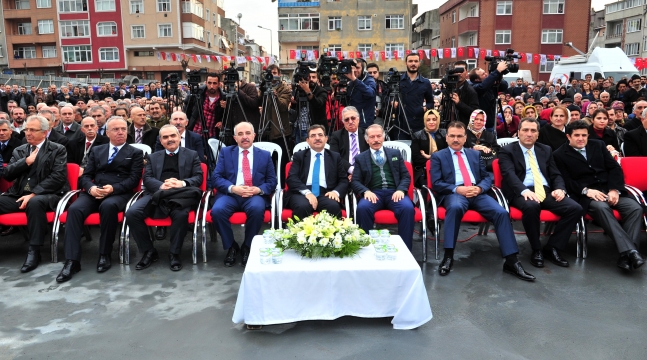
447	52
434	52
407	52
495	52
352	54
639	63
316	52
248	58
370	54
470	52
522	56
421	54
173	57
396	53
536	58
358	54
293	54
461	51
163	54
383	55
484	53
550	57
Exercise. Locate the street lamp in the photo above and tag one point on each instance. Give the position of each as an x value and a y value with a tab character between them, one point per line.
271	41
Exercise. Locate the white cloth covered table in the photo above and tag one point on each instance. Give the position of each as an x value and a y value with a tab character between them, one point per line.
325	289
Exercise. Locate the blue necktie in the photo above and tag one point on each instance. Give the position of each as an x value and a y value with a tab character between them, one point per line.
315	175
112	157
378	158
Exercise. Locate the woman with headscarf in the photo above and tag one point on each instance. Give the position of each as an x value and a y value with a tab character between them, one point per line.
561	95
554	135
481	140
509	125
424	143
529	111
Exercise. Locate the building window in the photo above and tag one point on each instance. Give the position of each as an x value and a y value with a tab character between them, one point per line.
504	7
553	6
473	11
192	31
104	5
191	7
136	6
364	47
109	54
27	52
307	22
49	51
471	64
107	28
364	22
454	16
502	36
163	5
1	52
621	5
150	75
471	39
633	25
395	21
551	36
164	30
72	6
143	53
394	47
76	54
334	47
453	42
632	49
618	29
24	28
548	67
137	32
334	23
45	26
42	4
75	28
22	4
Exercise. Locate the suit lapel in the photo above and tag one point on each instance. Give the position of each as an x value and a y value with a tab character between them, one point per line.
329	168
448	159
519	156
157	159
181	162
306	165
345	143
542	159
234	164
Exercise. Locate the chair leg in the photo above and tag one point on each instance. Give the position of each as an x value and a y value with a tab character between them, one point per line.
437	237
585	249
127	246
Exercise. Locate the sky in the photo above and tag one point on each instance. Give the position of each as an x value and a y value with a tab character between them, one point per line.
265	14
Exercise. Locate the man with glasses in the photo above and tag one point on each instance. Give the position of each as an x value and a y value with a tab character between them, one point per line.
349	141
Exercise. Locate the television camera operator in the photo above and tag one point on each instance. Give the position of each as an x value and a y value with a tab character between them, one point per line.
317	98
487	87
464	97
382	93
209	97
245	105
361	90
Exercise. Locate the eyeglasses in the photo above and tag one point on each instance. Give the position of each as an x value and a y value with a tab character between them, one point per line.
351	118
28	130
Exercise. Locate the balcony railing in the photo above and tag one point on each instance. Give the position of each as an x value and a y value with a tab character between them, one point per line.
610	36
298	3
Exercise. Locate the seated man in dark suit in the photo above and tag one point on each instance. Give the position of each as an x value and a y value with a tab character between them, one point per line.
244	179
460	182
382	181
52	135
189	139
596	181
38	171
348	142
9	140
112	172
636	140
139	131
532	182
68	126
80	147
175	168
317	178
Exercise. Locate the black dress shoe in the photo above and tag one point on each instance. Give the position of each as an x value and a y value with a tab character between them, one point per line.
445	266
636	259
518	271
104	264
148	258
176	263
624	263
32	261
160	233
537	259
245	252
230	259
9	230
553	255
70	268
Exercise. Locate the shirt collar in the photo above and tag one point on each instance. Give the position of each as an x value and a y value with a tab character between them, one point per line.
112	146
523	148
174	152
380	149
251	149
41	144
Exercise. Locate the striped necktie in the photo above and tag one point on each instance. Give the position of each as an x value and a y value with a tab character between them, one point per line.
114	154
354	148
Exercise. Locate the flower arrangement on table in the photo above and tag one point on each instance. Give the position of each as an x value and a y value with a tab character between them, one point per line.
322	236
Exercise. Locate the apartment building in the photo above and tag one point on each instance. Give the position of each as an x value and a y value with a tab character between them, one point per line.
426	35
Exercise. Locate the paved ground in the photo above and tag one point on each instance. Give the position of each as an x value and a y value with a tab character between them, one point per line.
590	310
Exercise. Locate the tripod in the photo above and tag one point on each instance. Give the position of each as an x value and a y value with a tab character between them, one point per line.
391	113
303	120
448	112
269	96
226	134
193	101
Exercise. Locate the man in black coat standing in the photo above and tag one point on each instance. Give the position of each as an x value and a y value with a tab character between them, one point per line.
465	98
208	102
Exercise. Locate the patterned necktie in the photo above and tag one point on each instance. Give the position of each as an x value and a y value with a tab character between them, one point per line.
378	158
3	146
138	136
67	128
112	157
315	175
247	172
354	149
171	154
467	181
87	145
536	176
583	152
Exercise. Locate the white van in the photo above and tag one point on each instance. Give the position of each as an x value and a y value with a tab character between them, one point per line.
511	78
600	63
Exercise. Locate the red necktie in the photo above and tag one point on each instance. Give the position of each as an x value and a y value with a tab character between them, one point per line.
247	172
67	128
461	165
87	145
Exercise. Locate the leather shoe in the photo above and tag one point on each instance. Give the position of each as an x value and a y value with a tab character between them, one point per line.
32	261
623	263
176	263
9	230
537	259
104	264
445	266
245	253
553	255
70	268
636	259
148	258
518	271
160	233
230	259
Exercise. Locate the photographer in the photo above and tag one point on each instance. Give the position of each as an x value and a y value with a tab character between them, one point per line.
464	97
209	98
487	86
415	90
382	93
361	93
249	99
317	97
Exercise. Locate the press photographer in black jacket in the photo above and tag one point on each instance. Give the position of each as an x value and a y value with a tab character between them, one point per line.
487	86
464	97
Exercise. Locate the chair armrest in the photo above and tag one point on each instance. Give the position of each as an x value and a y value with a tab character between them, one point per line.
637	194
500	198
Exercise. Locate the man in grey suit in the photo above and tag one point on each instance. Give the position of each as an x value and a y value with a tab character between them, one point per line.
68	126
176	175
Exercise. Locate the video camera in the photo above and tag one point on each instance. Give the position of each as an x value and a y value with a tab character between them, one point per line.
451	78
393	80
345	66
193	80
230	77
172	79
269	78
508	58
326	66
302	71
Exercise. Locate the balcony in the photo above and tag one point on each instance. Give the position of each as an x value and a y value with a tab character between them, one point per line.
298	3
614	35
469	24
34	62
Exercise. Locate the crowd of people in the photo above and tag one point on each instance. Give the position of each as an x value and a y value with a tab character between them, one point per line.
565	157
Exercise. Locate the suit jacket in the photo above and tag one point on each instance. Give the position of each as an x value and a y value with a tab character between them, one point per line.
552	137
76	148
226	172
336	176
188	167
636	142
54	136
136	94
51	171
443	175
192	141
363	173
149	135
513	168
123	173
75	128
13	142
340	143
598	171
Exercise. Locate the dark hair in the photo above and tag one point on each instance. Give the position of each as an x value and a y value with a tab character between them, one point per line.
413	53
461	63
370	65
213	74
473	75
529	119
623	81
576	125
315	127
457	125
273	66
598	111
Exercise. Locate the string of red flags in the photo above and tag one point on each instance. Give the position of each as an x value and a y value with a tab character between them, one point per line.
199	58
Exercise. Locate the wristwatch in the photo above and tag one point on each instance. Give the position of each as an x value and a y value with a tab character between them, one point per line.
309	93
585	191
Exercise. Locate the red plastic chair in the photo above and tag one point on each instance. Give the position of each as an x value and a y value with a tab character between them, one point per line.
286	214
387	217
635	180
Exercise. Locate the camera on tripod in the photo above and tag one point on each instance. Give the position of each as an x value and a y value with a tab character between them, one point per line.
172	79
393	80
302	71
193	80
230	77
452	78
326	66
345	67
269	78
508	58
